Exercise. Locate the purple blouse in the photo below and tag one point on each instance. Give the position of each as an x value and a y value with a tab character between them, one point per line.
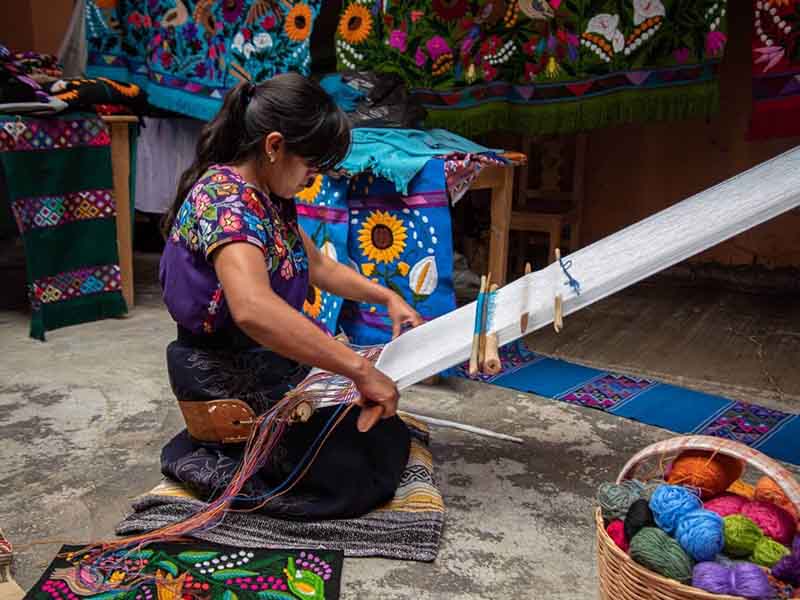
222	208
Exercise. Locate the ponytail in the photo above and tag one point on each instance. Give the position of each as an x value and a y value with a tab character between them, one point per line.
312	125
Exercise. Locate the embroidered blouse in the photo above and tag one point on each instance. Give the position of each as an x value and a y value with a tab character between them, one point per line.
222	208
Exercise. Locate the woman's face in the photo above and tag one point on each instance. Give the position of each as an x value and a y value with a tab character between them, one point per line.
288	173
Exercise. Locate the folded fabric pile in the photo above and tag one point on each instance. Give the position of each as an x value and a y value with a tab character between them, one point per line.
20	92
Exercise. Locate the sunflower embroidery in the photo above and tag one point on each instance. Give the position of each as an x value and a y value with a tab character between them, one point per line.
382	237
313	302
355	24
309	194
298	22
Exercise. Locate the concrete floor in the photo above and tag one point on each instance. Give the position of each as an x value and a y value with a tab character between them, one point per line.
83	416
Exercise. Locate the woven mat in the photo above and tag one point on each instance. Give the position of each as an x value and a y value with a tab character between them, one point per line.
407	528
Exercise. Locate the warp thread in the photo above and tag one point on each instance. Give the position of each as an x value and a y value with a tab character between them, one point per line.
654	549
742	579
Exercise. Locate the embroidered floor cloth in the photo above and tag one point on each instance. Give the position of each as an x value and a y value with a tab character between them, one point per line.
545	66
196	571
58	174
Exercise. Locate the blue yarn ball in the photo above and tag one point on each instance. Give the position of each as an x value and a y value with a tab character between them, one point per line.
670	503
700	533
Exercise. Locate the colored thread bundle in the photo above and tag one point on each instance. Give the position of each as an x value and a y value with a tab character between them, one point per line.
654	549
743	489
726	504
742	579
700	534
670	503
711	473
615	500
616	531
639	516
767	490
788	568
744	538
773	520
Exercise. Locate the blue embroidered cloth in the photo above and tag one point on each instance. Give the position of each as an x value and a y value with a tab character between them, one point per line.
187	53
400	154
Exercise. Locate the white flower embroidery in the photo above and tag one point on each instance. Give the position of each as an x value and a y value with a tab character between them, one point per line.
249	49
238	41
647	9
329	250
424	277
607	26
263	40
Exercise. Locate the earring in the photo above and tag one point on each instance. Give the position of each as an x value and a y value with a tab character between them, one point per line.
271	157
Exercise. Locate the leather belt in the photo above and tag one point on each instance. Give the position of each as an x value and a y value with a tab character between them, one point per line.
226	421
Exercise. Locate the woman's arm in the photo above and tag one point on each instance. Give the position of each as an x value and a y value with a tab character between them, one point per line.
343	281
269	320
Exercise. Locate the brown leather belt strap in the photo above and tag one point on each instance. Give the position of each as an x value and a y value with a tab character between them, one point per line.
221	421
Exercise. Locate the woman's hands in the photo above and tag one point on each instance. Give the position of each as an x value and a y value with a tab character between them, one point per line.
401	314
378	399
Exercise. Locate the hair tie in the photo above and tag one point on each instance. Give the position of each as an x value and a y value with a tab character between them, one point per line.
249	90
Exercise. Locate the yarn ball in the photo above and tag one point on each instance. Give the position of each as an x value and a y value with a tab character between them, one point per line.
742	579
671	502
773	520
768	552
743	489
654	549
768	491
711	473
796	545
788	569
741	535
615	500
616	529
639	515
700	533
726	504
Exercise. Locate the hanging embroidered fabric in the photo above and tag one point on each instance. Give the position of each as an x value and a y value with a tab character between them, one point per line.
186	55
776	70
403	243
322	213
545	66
65	214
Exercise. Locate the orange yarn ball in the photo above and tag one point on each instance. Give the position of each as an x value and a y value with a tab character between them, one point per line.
768	491
740	488
711	473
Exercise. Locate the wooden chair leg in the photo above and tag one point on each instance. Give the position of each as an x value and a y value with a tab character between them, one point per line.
555	241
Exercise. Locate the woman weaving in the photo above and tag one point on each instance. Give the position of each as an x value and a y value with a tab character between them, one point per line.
234	274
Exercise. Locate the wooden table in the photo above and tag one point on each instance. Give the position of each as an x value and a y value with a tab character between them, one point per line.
500	181
119	126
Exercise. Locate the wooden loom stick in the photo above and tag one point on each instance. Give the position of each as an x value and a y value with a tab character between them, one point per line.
523	322
462	427
473	359
484	318
491	364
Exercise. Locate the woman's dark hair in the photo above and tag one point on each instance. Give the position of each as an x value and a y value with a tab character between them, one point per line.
312	125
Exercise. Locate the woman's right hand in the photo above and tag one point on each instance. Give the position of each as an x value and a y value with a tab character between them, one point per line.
378	397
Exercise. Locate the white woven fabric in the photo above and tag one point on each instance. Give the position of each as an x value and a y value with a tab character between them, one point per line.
605	267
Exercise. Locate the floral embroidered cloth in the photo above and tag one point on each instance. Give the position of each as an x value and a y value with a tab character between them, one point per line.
548	66
58	174
223	208
776	69
187	53
199	571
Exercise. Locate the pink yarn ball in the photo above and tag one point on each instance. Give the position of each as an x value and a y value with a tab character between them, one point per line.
726	504
616	530
773	520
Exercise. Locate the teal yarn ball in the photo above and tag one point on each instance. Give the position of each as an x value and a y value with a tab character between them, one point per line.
615	500
701	534
654	549
670	503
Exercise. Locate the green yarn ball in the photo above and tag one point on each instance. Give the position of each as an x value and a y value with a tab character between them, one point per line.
654	549
741	536
768	552
615	500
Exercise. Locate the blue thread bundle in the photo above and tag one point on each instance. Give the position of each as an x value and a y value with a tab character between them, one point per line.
701	533
670	503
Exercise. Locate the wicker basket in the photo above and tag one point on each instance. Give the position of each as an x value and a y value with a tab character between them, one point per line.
623	579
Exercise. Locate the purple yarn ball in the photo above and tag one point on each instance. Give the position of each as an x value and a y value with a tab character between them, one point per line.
744	579
796	545
788	568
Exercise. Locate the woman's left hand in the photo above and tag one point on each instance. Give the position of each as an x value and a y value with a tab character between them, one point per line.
401	314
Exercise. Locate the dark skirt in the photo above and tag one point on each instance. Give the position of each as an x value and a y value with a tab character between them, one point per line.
353	473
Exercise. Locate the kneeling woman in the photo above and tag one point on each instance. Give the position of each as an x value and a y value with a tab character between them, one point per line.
234	274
